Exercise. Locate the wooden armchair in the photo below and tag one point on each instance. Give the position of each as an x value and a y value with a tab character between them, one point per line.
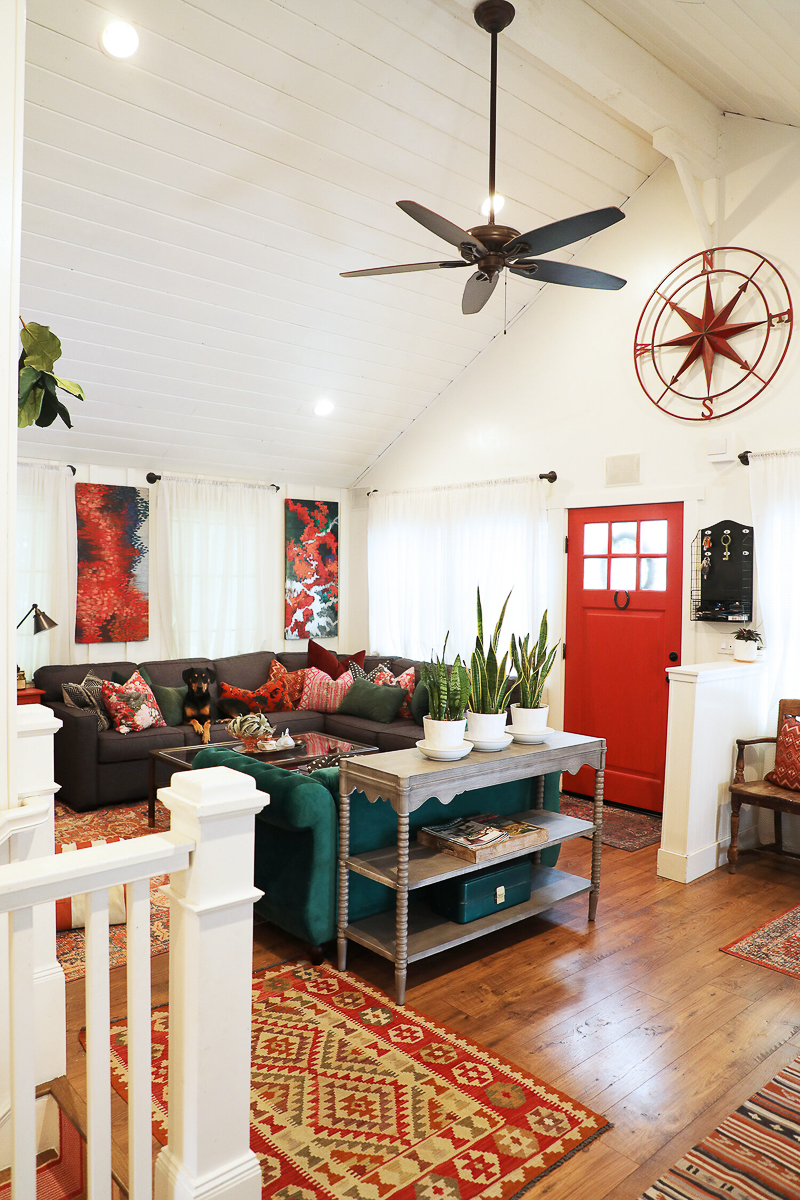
759	792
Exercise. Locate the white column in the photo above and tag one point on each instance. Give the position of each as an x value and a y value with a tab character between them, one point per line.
710	705
210	998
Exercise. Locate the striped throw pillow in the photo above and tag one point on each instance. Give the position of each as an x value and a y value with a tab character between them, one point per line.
323	694
71	912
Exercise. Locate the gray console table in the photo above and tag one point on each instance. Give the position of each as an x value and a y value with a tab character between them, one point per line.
406	779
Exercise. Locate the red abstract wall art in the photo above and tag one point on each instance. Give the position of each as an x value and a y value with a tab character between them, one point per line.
113	602
312	569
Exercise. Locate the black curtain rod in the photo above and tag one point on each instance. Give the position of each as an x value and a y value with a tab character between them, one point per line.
744	458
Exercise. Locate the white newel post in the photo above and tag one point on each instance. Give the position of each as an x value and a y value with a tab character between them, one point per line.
210	997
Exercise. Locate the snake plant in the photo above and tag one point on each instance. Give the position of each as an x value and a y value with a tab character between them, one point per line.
532	666
490	685
448	694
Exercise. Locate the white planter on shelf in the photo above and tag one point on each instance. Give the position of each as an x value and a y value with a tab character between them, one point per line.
529	720
444	735
486	727
744	651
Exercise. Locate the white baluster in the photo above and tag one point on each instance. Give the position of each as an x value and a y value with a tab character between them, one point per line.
23	1042
140	1114
210	990
98	1052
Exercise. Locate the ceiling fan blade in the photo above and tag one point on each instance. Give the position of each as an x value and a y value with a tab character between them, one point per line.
478	290
427	266
441	227
561	233
543	270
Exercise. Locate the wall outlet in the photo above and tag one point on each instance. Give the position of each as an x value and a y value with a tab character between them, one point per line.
726	646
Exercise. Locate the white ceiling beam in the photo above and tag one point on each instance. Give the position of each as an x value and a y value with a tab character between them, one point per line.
584	47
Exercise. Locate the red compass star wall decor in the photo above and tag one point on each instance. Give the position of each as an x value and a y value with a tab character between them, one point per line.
713	333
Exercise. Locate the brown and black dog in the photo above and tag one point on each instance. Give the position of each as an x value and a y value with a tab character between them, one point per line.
197	702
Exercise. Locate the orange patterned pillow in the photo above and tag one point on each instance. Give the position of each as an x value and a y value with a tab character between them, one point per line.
294	680
786	772
270	697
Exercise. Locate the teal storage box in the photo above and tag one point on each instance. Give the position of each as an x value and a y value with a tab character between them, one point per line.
468	897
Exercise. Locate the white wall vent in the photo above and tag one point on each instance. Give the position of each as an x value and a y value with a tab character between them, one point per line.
358	499
622	469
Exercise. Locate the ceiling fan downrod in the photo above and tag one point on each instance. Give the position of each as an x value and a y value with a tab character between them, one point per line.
494	16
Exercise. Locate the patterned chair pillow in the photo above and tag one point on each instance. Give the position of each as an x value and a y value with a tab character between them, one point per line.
371	676
323	694
132	705
406	681
786	772
88	695
294	680
71	912
270	697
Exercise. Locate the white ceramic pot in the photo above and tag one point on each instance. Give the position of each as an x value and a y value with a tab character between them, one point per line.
529	720
744	651
444	735
486	727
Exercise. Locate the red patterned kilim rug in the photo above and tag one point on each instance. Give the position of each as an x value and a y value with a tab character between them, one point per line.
622	828
753	1155
117	820
354	1097
775	945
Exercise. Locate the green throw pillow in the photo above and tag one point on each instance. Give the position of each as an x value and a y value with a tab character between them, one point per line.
420	705
169	699
373	701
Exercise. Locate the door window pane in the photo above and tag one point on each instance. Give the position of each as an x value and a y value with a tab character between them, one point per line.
623	574
653	573
623	537
653	537
595	573
595	538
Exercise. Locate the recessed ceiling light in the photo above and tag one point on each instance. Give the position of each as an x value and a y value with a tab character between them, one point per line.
119	39
323	407
486	207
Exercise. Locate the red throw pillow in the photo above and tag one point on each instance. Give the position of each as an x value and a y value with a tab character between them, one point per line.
326	661
323	694
786	772
294	680
270	697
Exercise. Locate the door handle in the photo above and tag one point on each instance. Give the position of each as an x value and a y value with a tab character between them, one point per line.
673	656
627	600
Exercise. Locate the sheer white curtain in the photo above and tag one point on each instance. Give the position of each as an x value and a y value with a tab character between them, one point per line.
219	552
47	563
429	550
775	503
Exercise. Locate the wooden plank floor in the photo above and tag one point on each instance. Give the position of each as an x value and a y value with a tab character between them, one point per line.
639	1016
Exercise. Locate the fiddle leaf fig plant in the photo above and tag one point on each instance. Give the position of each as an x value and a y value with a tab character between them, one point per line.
448	694
532	666
38	400
490	685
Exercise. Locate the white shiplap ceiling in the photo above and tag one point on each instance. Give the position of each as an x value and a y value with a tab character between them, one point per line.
187	212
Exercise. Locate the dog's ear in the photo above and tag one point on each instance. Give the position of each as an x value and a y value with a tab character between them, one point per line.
187	674
212	675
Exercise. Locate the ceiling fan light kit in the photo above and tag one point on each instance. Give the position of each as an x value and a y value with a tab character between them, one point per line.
493	248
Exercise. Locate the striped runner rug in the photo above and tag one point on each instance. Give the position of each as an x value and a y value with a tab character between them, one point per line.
753	1155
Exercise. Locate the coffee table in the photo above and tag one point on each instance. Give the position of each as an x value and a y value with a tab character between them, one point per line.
310	747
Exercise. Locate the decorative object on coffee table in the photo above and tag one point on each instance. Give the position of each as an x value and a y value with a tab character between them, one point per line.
448	694
529	715
490	688
250	729
377	1100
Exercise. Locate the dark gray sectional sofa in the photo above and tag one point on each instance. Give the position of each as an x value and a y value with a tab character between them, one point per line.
94	768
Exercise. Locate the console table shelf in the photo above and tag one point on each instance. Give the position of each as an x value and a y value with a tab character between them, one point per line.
406	779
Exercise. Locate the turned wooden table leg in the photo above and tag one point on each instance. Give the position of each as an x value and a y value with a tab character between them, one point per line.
344	850
779	831
733	849
597	841
538	803
401	913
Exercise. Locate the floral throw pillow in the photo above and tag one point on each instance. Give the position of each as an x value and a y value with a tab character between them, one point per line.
323	694
294	680
270	697
406	681
786	772
132	705
89	695
371	676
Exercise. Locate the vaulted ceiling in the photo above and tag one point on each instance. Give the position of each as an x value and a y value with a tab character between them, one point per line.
187	212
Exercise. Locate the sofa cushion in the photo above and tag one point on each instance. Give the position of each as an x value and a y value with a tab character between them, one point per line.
169	672
420	704
247	671
356	729
293	660
128	747
332	664
374	701
294	680
405	682
50	679
321	693
88	695
400	735
132	705
169	699
268	698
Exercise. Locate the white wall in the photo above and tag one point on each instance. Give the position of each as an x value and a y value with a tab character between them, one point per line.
559	391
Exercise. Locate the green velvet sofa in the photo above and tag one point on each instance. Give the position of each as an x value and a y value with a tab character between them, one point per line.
297	837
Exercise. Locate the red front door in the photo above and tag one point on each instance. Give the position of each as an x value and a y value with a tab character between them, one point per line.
624	571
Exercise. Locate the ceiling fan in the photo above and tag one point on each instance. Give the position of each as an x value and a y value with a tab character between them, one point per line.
492	247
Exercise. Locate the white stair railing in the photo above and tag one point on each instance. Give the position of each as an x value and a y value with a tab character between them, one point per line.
208	854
